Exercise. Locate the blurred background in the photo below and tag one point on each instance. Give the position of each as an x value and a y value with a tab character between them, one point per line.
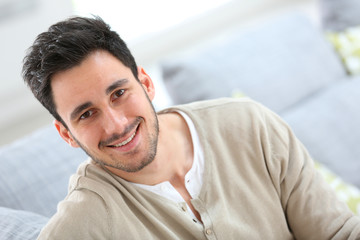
300	58
153	30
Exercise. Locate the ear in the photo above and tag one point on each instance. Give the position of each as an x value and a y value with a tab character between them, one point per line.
146	82
65	134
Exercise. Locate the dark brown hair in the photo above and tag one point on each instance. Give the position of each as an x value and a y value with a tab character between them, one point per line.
65	45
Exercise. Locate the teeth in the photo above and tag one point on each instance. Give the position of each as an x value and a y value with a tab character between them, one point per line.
126	141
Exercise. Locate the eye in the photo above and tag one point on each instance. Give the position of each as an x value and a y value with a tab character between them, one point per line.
117	94
86	114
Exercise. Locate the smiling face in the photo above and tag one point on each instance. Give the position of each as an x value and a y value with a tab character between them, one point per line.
108	112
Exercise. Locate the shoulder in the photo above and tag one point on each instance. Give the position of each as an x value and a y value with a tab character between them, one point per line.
77	217
93	178
215	103
225	111
229	107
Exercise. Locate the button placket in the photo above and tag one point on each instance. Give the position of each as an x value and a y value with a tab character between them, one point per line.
183	207
206	222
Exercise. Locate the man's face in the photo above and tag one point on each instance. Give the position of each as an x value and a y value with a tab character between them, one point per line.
107	111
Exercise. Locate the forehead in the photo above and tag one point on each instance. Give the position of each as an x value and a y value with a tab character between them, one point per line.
87	81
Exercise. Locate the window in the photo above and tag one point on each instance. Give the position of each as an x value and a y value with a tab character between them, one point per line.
136	18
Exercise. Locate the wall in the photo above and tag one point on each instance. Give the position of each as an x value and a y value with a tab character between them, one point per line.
20	22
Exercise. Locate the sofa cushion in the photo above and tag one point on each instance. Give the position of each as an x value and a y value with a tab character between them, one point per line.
35	170
328	125
276	63
20	225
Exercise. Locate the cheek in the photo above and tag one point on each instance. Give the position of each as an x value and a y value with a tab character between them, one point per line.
88	137
138	105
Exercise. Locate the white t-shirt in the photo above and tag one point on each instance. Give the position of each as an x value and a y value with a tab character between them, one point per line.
193	178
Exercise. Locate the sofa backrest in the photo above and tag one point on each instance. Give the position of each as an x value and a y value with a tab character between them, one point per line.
35	170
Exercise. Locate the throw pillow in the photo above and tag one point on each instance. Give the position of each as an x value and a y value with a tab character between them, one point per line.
345	192
347	44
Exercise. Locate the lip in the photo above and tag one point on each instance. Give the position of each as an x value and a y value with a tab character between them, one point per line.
130	141
126	141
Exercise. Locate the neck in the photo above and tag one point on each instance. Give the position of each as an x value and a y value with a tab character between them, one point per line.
174	155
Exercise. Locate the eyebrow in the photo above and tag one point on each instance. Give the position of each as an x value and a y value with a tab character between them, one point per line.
79	109
116	84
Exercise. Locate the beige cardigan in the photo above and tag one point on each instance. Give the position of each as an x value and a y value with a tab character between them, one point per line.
258	183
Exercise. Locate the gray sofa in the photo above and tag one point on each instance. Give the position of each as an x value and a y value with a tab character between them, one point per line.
286	64
289	66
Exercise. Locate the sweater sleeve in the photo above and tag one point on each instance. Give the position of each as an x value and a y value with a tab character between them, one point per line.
82	215
311	207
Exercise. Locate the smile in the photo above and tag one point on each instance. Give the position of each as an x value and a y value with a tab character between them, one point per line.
117	140
126	141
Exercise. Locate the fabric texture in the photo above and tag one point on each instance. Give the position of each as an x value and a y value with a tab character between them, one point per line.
337	15
20	225
259	183
35	171
327	124
286	57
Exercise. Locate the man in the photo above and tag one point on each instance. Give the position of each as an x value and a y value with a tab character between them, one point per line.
220	169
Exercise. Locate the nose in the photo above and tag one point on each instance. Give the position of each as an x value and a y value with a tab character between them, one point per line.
114	121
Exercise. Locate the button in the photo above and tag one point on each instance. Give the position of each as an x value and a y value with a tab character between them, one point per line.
183	208
194	220
208	231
